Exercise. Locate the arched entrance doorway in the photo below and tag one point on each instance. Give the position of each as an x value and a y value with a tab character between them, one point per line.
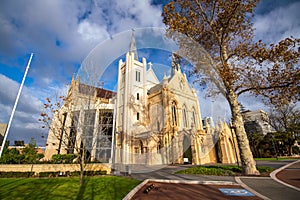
187	150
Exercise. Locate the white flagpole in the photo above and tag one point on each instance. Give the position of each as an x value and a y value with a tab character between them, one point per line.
15	106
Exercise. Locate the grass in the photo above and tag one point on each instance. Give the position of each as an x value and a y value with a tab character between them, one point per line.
105	187
222	170
275	159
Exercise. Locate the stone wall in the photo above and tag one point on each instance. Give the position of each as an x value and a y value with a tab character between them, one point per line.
53	167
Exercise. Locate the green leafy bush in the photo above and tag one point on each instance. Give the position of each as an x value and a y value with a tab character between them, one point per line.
221	170
48	174
263	169
16	174
63	158
74	173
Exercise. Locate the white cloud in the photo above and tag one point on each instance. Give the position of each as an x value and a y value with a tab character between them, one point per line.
91	31
61	33
279	23
27	111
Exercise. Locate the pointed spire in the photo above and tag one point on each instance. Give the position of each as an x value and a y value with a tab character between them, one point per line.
73	79
165	75
132	47
165	79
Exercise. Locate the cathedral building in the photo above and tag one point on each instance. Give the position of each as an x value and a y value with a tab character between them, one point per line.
152	121
85	120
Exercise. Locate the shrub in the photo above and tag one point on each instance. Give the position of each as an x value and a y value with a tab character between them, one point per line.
63	158
48	174
263	169
74	173
221	170
16	174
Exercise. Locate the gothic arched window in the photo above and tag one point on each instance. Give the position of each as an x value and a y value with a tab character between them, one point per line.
141	146
158	147
184	117
194	117
174	113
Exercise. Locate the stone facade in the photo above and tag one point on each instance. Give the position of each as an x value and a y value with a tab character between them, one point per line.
86	119
155	122
159	122
37	168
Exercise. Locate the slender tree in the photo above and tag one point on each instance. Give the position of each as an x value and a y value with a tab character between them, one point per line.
30	152
285	120
216	36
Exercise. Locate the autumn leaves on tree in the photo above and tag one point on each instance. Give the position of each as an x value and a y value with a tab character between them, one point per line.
217	37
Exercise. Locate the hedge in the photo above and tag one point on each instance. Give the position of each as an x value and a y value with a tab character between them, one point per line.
50	174
16	174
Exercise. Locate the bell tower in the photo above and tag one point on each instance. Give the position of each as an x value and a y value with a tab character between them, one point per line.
131	99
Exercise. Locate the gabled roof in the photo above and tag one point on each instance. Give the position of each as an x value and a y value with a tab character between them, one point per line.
151	76
155	88
107	94
100	92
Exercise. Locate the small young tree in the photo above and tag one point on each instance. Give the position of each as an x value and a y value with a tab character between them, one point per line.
30	153
216	36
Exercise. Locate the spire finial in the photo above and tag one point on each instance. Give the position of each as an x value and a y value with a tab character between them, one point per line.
165	75
132	47
150	65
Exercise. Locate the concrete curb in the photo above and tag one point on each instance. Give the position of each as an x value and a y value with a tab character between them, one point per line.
273	175
239	181
138	187
194	182
134	190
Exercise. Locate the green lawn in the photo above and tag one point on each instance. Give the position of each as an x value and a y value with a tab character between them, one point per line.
276	159
222	170
105	187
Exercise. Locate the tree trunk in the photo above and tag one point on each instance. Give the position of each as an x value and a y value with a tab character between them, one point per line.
248	163
82	166
291	150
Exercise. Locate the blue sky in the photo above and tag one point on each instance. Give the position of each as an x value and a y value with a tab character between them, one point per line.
62	33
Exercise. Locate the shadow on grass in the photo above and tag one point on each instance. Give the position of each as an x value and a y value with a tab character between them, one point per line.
102	187
41	191
82	189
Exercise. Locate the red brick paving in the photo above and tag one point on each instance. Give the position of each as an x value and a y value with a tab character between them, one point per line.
290	175
181	191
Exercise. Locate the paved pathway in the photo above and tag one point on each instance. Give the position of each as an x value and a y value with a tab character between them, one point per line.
168	173
269	188
264	187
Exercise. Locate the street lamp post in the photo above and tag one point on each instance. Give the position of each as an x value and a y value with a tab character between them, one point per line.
15	106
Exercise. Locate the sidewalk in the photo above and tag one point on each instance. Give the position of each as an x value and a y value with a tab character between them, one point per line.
211	187
275	187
